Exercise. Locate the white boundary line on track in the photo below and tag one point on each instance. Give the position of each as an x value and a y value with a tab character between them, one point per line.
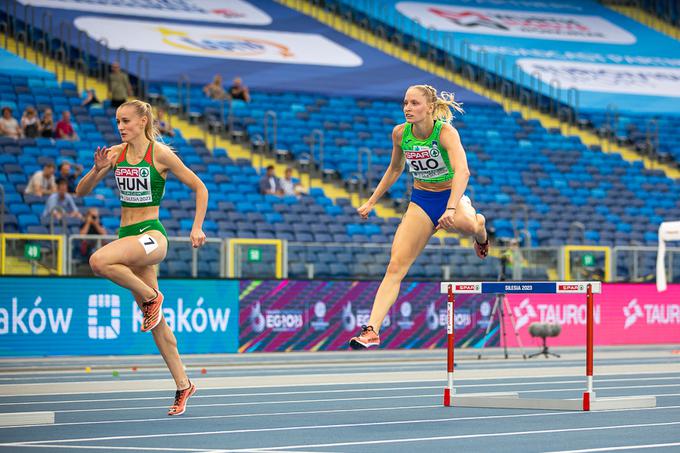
108	448
461	436
269	414
46	444
291	382
348	390
364	398
346	425
624	447
99	447
333	411
255	403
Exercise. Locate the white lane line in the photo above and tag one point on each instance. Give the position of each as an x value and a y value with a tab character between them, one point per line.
256	403
326	400
229	395
307	392
330	411
266	414
461	436
317	427
103	375
504	378
107	448
624	447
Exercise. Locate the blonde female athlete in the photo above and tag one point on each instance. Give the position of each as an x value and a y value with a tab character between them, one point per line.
141	165
436	158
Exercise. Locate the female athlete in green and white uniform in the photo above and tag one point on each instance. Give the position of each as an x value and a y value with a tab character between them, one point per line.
436	158
141	165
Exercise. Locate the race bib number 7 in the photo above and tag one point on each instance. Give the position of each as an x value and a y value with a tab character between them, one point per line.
148	243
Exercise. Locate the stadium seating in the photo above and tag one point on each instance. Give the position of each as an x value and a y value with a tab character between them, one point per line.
654	135
514	162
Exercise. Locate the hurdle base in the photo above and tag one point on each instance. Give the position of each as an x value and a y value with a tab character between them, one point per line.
514	401
26	418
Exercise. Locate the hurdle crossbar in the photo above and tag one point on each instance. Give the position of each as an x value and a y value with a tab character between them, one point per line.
587	403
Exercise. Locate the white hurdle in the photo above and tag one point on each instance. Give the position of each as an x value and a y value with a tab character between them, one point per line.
513	400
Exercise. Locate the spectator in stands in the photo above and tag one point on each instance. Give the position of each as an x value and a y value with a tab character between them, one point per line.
437	160
47	124
163	126
42	182
91	225
143	243
269	183
215	90
239	91
9	126
64	129
119	87
289	186
91	99
61	203
70	177
30	123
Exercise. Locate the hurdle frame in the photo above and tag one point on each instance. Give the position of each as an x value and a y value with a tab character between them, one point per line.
512	400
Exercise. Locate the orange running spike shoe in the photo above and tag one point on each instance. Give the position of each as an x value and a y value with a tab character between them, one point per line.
152	312
181	398
366	339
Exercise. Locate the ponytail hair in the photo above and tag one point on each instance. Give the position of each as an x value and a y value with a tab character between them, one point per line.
144	109
443	103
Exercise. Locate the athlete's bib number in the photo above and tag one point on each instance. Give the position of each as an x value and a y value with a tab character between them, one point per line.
134	184
148	243
426	163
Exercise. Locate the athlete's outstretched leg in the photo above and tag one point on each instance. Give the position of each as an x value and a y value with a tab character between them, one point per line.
411	237
167	346
162	335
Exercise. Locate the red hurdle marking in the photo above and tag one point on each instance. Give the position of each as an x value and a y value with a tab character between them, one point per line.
448	391
590	321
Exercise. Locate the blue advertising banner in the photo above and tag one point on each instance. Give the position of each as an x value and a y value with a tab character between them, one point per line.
549	46
89	316
272	47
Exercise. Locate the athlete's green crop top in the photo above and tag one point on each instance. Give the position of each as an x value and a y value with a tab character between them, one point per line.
140	185
427	160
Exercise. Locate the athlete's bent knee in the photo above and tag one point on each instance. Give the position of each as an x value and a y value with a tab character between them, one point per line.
97	264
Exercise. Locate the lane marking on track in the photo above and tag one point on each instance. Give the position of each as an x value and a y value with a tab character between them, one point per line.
350	425
348	390
624	447
461	436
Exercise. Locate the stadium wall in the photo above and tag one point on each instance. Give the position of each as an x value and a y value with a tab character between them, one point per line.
89	316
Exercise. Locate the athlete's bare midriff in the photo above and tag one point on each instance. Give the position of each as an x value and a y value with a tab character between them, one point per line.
432	186
130	216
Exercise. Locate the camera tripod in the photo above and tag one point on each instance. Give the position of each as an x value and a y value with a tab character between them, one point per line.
500	307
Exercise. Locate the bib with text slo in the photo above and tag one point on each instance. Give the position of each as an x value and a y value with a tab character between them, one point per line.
427	161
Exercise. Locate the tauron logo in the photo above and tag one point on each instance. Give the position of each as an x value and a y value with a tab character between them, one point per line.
96	306
632	311
524	312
